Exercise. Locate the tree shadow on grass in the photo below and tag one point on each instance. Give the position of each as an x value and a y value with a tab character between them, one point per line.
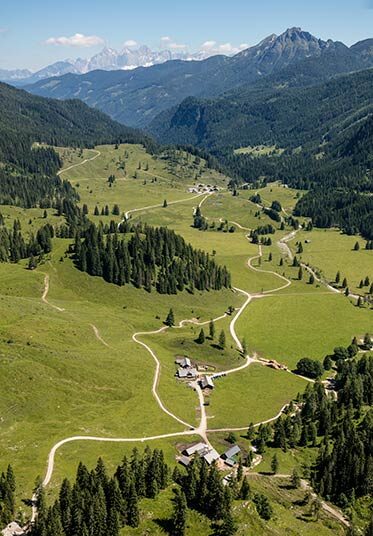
164	524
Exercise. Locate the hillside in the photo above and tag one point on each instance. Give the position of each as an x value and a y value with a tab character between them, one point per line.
285	116
55	122
136	97
28	172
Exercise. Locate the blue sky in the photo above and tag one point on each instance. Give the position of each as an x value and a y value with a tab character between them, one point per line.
27	26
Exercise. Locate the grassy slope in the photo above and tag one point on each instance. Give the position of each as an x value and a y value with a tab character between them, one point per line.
54	371
331	251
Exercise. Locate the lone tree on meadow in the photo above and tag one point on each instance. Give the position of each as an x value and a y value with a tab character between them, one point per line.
201	337
212	329
222	340
165	203
274	464
170	320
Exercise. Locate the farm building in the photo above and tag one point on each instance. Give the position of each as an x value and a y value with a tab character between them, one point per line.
13	529
230	453
184	362
185	373
207	383
201	448
211	456
184	460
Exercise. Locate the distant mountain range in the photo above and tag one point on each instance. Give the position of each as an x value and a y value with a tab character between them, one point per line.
108	59
136	97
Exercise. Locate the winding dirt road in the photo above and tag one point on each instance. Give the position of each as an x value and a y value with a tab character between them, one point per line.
80	163
202	429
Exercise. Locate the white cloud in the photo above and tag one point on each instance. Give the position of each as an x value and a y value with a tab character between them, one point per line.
130	43
77	40
166	39
208	45
213	47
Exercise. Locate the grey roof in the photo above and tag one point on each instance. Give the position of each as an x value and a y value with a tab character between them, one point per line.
206	381
13	529
198	447
230	462
187	372
232	452
184	460
211	456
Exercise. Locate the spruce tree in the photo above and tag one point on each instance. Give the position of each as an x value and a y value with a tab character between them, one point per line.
222	340
274	464
212	329
201	337
170	320
245	489
179	515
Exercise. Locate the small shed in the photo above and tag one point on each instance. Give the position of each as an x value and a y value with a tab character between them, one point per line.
230	462
13	529
230	453
207	382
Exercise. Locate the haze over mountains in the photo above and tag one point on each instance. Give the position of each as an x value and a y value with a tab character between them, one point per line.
136	97
108	59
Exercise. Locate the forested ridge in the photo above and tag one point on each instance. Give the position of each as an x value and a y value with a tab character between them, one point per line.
147	257
341	429
28	171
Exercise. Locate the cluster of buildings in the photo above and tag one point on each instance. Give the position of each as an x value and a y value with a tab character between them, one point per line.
203	189
210	455
187	371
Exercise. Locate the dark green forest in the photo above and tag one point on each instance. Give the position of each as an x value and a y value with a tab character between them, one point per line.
147	257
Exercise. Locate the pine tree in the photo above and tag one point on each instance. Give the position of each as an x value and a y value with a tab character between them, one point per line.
356	246
274	464
295	478
132	505
212	329
338	277
245	490
222	340
170	320
165	203
178	521
201	337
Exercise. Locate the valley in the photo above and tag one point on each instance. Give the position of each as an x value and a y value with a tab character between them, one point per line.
114	383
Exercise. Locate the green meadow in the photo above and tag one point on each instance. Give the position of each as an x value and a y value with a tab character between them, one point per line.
59	379
330	251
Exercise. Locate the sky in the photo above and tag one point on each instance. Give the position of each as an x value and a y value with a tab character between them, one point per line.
35	33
